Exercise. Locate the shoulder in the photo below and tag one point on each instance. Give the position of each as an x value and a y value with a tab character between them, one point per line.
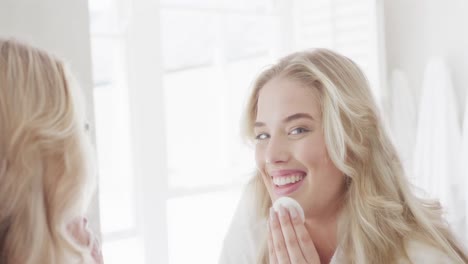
421	252
243	238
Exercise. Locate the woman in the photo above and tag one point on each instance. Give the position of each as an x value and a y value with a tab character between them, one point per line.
319	139
45	173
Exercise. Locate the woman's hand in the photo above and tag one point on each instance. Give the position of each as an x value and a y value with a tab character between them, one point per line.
80	231
288	240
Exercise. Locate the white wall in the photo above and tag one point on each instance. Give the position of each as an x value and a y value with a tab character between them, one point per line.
61	27
415	30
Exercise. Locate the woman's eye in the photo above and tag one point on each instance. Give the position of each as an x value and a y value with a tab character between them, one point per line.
298	131
261	136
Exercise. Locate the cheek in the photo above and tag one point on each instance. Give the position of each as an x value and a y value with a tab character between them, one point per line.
313	150
260	163
326	174
259	157
312	155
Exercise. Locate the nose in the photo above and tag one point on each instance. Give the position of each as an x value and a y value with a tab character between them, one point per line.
277	151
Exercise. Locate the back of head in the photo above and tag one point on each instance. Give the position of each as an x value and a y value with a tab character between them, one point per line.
379	211
44	170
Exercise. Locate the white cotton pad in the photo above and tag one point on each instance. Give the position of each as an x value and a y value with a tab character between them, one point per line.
289	203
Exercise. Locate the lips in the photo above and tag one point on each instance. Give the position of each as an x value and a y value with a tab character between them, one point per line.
285	182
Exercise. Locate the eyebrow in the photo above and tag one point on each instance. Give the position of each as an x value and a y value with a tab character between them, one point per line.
297	116
289	119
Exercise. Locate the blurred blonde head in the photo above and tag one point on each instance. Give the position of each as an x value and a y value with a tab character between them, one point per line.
45	173
379	213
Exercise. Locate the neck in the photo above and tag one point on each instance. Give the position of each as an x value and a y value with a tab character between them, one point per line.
323	234
323	231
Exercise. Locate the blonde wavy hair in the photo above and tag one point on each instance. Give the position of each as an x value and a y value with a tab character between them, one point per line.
380	213
45	172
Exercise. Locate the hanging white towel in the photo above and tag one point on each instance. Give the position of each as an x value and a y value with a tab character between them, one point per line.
437	167
403	117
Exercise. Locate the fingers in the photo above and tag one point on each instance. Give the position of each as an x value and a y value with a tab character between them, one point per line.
288	239
96	252
306	245
271	250
291	240
77	229
279	245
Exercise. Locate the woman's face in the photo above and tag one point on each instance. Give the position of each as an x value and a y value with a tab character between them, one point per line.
290	149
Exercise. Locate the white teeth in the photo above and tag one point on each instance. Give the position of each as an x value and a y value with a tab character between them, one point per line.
287	180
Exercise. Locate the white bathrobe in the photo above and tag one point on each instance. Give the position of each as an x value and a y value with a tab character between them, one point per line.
241	246
242	242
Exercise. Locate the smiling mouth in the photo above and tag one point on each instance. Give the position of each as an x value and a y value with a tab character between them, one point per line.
287	180
285	185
